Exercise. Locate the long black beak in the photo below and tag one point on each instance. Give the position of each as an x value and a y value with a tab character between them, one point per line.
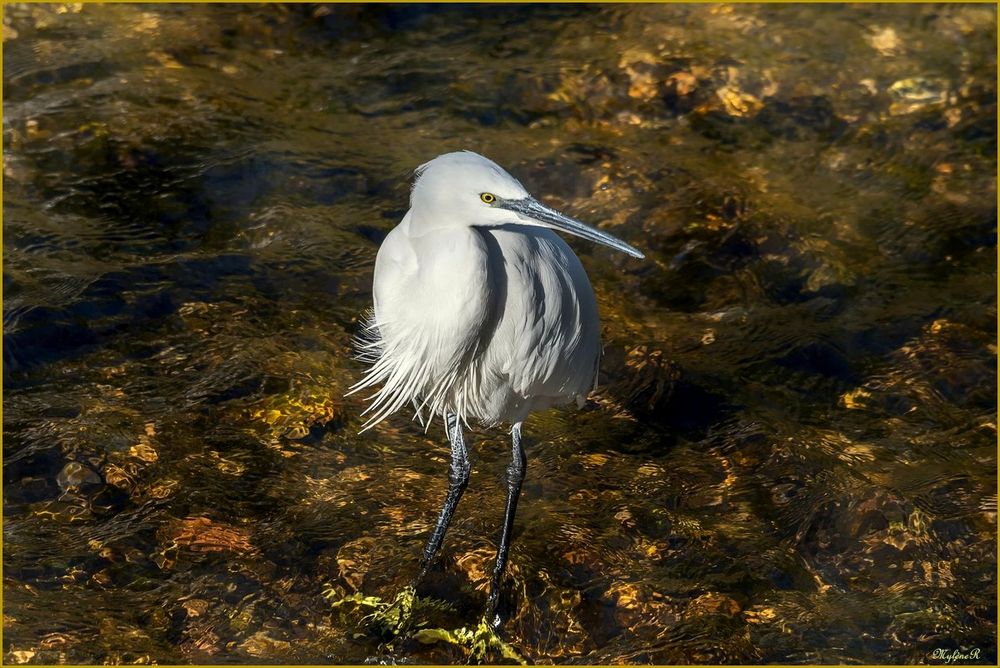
539	214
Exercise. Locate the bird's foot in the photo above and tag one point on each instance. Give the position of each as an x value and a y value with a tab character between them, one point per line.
487	639
483	642
388	620
392	619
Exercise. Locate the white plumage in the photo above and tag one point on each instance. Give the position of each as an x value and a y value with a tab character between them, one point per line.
480	311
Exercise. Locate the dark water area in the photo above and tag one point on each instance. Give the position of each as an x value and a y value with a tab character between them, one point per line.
791	456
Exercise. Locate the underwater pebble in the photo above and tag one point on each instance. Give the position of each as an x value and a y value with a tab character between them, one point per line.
712	603
75	475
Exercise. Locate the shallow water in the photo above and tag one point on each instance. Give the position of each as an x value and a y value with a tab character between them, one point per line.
792	453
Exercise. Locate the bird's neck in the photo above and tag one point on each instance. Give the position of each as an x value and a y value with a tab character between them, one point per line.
419	225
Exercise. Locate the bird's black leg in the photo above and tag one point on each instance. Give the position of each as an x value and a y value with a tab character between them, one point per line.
458	478
515	476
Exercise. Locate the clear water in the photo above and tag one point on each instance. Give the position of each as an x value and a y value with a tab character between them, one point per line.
792	454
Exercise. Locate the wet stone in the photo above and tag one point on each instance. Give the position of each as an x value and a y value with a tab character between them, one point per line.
801	118
76	475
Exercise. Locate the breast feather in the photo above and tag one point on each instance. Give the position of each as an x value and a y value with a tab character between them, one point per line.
433	299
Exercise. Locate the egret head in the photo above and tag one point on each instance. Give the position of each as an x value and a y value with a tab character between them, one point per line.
465	188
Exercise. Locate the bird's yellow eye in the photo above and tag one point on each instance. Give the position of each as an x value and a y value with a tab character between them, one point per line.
489	198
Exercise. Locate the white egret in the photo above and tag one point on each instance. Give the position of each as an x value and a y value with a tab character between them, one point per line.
481	313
